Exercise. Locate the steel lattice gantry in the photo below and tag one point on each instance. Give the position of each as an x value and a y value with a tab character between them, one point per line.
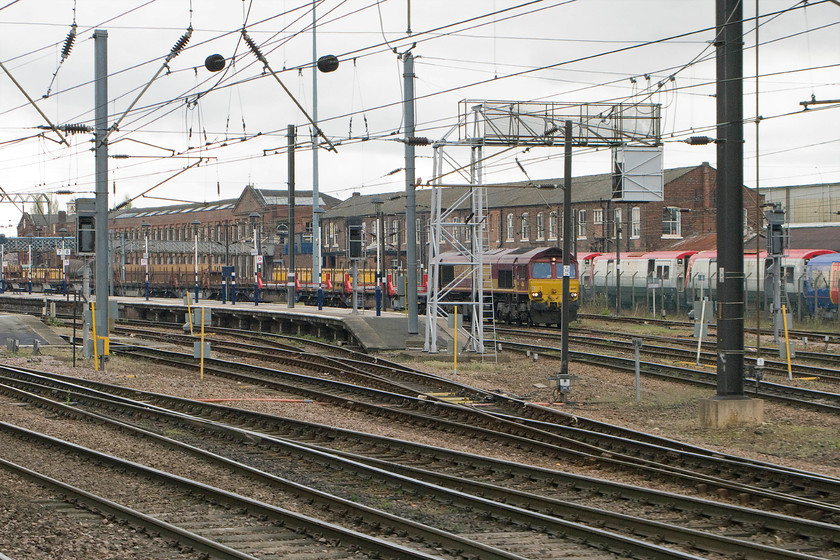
498	123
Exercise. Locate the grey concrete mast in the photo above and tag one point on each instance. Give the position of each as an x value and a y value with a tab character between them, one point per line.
316	207
410	200
100	37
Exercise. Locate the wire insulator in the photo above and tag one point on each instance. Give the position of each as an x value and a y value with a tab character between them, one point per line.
417	141
76	128
68	43
253	46
179	46
700	140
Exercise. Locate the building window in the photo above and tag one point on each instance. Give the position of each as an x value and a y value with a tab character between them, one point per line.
671	226
540	226
635	222
509	227
395	233
552	225
617	223
525	229
581	225
332	238
597	217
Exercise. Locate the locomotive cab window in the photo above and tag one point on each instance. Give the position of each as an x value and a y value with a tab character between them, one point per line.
541	270
506	279
447	274
572	270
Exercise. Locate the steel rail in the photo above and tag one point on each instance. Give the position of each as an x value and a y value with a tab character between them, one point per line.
291	520
613	459
372	444
588	536
706	356
106	507
351	509
670	533
820	400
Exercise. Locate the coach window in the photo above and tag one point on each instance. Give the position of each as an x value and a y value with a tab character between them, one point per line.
510	227
789	275
541	270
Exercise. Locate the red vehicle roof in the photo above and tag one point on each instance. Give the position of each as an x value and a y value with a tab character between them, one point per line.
509	256
651	255
805	254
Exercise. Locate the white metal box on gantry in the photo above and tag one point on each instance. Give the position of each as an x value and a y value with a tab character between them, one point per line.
637	173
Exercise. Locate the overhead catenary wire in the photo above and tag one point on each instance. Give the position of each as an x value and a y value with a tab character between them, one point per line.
268	133
175	51
255	49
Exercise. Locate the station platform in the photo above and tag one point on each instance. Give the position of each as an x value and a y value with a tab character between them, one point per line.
26	329
372	333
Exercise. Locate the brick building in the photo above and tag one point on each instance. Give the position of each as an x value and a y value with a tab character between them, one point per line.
225	231
520	214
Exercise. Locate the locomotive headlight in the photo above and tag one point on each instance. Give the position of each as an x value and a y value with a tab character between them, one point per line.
537	294
573	295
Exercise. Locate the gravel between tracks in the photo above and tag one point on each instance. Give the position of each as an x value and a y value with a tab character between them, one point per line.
797	438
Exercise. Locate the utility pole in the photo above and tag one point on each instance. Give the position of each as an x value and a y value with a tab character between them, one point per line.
730	406
316	205
730	160
100	38
290	277
567	249
617	232
410	201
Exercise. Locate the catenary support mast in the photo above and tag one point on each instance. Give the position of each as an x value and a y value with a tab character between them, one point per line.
100	37
730	185
410	200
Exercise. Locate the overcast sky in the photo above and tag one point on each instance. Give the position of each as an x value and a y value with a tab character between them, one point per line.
552	50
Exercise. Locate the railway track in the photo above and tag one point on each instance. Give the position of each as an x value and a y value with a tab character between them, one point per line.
675	349
788	394
540	430
710	528
828	336
218	523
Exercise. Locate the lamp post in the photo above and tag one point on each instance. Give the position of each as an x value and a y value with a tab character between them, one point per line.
29	283
255	251
64	262
146	226
195	224
381	286
2	263
316	255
